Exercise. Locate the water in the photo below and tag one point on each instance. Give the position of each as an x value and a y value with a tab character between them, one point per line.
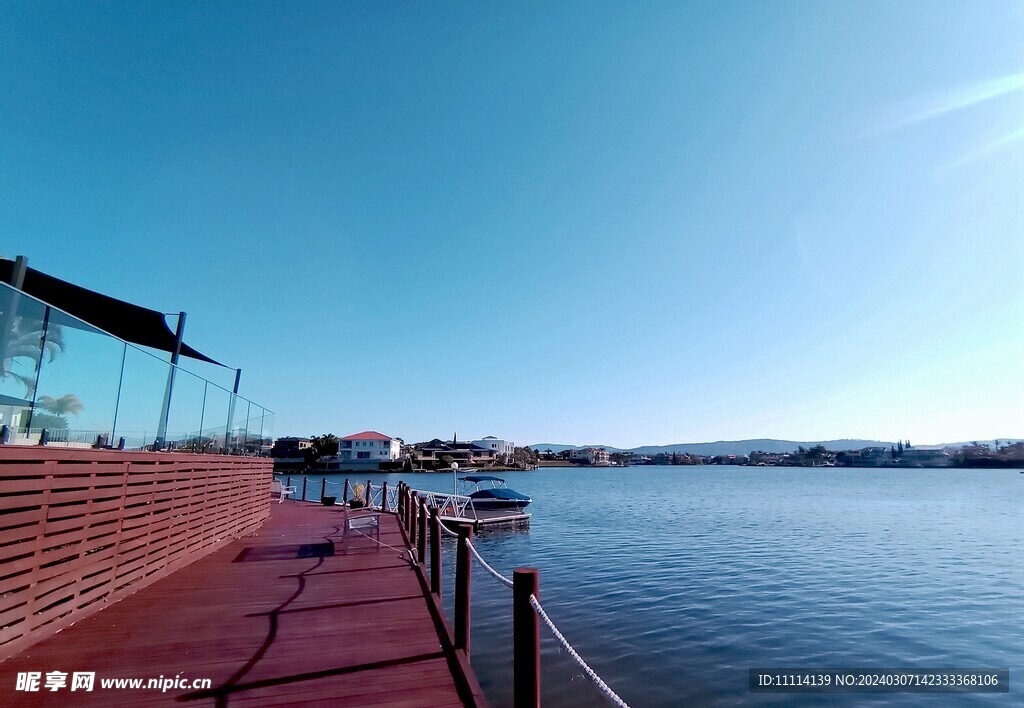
674	581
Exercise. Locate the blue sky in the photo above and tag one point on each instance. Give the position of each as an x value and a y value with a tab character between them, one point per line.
625	223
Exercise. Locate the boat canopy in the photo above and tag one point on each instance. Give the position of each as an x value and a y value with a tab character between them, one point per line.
475	478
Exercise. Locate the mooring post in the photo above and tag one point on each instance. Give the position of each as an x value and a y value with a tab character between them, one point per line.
323	488
344	493
421	532
384	496
304	480
462	587
435	552
525	639
289	482
413	522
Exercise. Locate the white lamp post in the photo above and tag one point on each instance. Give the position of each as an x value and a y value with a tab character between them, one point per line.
455	479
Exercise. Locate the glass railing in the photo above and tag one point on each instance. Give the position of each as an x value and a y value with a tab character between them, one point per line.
65	382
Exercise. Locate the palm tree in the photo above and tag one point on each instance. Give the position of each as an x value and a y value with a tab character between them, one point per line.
24	341
68	404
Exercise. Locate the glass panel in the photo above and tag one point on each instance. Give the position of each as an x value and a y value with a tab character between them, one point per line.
186	417
77	390
266	432
85	386
142	394
240	426
215	416
21	330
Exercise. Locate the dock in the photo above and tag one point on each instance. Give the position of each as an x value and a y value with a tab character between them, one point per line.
283	615
489	519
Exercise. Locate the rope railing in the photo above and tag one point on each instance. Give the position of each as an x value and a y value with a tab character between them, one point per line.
501	578
591	674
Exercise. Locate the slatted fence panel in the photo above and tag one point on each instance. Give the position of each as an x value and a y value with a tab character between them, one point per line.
82	528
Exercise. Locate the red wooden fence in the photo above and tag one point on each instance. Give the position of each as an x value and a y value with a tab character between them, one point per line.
82	528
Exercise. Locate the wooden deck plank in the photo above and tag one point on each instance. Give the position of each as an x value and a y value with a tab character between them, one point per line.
280	616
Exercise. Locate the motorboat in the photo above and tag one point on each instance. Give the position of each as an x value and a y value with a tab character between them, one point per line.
491	493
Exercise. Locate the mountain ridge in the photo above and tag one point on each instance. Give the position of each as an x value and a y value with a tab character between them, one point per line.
745	447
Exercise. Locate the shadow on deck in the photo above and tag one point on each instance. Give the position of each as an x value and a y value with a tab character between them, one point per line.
282	616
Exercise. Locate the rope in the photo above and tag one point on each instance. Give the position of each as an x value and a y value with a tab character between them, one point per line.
501	578
447	530
535	603
403	551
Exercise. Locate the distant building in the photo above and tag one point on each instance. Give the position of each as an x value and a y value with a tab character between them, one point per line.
433	454
590	456
369	446
502	448
13	411
916	457
290	447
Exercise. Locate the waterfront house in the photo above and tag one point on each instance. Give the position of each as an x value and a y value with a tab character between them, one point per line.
919	457
589	456
290	448
369	446
437	453
503	449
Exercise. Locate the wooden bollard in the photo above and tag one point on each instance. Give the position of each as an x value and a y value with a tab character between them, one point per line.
435	551
384	496
323	488
368	500
413	522
304	480
525	639
462	587
421	532
289	482
344	493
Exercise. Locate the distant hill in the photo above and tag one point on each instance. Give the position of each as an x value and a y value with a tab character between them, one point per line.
745	447
555	447
726	447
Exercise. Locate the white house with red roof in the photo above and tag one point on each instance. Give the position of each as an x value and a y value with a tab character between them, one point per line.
369	446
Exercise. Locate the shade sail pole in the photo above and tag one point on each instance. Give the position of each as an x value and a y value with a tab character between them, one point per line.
165	409
231	409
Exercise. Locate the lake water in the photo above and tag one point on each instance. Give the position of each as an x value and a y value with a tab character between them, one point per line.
672	582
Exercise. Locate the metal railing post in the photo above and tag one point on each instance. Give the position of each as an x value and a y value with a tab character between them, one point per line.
525	638
435	552
462	588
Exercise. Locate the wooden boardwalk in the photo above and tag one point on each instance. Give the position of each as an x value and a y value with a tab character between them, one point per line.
283	616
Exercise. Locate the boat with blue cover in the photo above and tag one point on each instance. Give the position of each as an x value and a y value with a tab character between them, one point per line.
496	495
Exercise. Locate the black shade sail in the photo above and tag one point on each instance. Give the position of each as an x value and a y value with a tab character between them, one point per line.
132	323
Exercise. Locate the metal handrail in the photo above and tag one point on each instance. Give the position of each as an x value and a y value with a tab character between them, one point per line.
450	505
